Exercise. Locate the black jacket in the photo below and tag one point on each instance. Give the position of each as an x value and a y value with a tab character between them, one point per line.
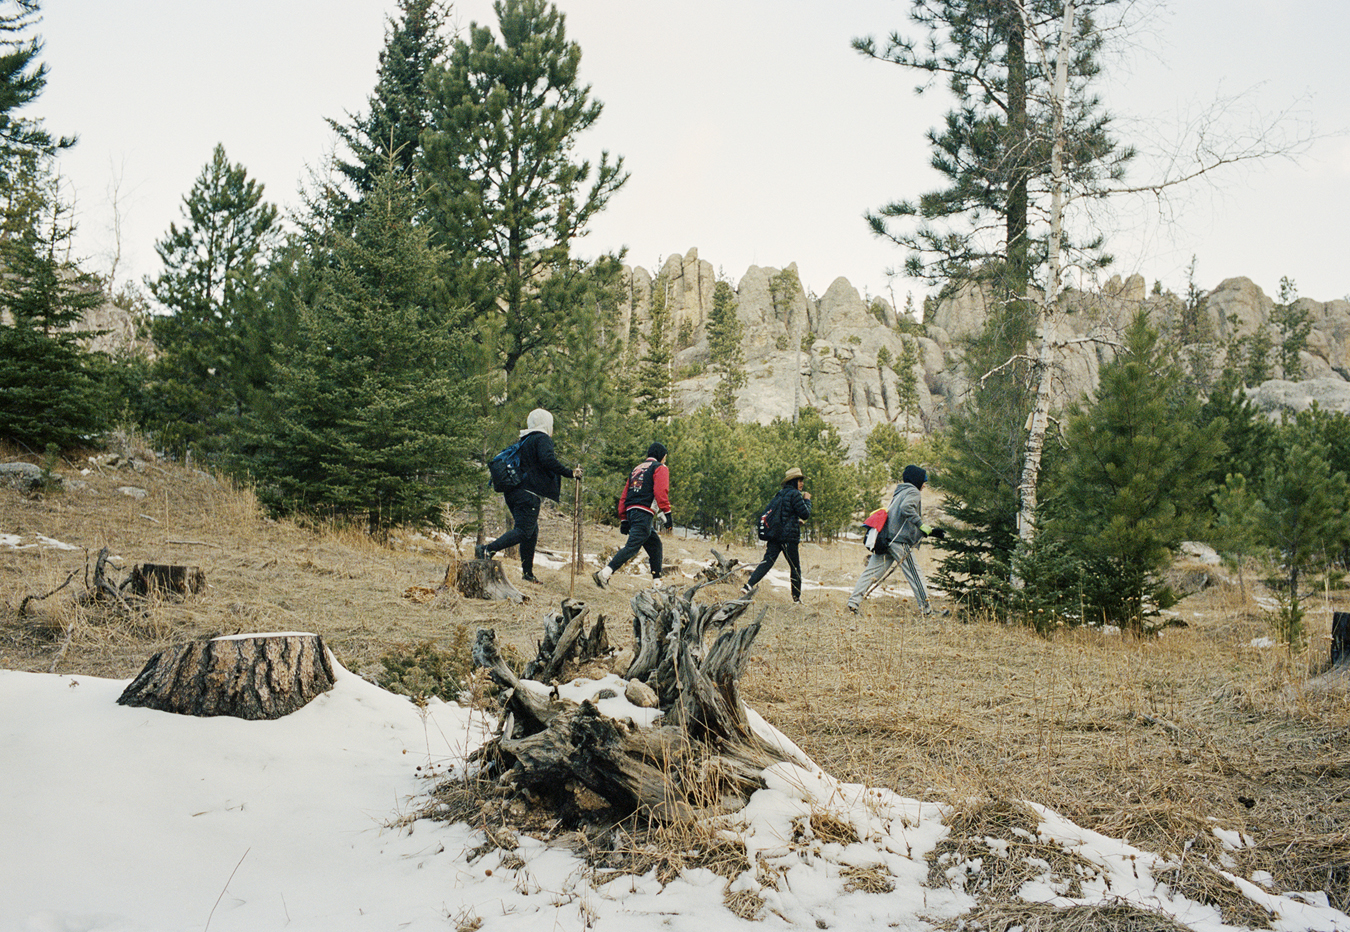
542	470
793	508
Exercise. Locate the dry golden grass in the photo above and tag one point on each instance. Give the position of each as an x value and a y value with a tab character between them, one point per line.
1157	741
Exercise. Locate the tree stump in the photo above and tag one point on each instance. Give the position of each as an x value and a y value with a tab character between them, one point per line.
481	579
163	578
700	753
252	676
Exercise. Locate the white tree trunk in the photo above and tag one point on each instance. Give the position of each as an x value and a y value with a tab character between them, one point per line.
1040	414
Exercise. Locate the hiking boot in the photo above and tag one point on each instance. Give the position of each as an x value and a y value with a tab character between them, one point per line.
599	577
746	591
530	577
657	583
853	609
480	551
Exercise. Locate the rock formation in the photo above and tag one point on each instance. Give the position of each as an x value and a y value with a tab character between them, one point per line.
838	352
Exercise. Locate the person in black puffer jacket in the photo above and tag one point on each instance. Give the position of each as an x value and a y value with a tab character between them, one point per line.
541	478
792	509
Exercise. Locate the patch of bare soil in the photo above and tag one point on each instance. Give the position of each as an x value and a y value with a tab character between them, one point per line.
1159	741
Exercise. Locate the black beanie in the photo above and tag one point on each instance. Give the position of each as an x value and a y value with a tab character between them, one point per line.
657	451
914	475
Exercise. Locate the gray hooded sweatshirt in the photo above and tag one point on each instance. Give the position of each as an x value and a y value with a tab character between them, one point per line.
905	515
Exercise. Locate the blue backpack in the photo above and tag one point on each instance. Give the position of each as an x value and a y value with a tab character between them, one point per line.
505	469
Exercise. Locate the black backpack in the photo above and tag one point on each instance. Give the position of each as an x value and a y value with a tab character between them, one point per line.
505	468
769	520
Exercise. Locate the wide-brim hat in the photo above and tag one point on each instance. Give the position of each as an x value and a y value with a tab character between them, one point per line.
793	473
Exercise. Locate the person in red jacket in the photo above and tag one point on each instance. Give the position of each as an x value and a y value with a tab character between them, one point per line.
645	506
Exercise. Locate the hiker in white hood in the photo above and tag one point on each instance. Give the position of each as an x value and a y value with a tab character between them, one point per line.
541	477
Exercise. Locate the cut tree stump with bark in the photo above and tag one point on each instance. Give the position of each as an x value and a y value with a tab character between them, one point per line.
701	752
481	579
252	676
165	579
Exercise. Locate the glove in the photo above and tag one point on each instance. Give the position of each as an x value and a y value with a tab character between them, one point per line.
624	526
660	520
938	533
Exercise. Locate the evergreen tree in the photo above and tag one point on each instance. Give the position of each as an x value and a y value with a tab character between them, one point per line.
502	185
586	385
887	449
1306	524
399	108
213	344
1239	524
1134	481
24	141
907	380
716	488
368	421
1293	323
986	438
49	385
725	333
994	149
655	388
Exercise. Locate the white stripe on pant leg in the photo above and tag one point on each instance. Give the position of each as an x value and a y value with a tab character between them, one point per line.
911	571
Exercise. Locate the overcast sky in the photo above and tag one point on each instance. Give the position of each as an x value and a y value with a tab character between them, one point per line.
751	129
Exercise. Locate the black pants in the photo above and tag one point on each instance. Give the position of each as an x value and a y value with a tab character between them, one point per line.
787	548
641	535
525	532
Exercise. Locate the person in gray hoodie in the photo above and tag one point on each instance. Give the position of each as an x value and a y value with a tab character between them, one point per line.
904	528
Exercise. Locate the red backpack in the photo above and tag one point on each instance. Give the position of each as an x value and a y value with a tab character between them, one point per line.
876	540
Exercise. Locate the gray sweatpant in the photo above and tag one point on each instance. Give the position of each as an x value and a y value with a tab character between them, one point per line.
879	563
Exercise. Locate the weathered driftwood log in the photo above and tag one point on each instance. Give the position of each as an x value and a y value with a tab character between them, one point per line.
102	588
566	641
481	579
253	676
700	751
164	579
721	567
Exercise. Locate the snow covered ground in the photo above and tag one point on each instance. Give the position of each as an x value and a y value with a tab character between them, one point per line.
116	819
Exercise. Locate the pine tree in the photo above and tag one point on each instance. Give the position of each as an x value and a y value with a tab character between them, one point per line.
49	385
986	438
398	110
725	333
1293	323
368	422
1134	481
584	382
907	380
502	186
1306	525
655	388
24	141
213	344
994	149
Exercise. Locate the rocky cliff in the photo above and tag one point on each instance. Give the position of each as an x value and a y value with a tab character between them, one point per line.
838	352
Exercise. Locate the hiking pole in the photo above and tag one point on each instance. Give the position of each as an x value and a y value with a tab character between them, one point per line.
576	538
879	580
